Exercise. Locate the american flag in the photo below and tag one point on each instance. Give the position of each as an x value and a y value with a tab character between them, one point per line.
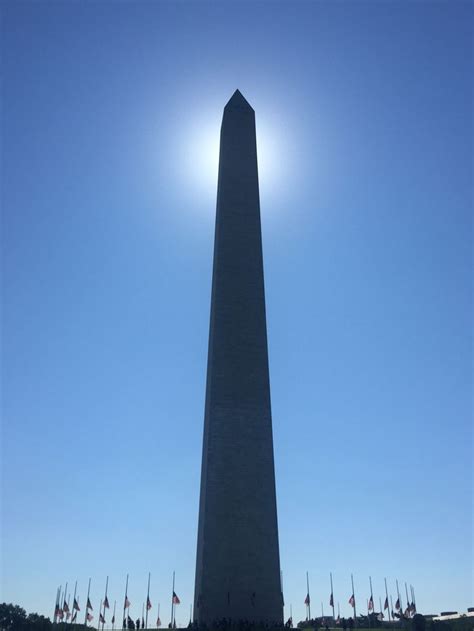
331	600
89	605
76	605
397	605
386	603
148	603
158	622
352	601
90	617
371	603
307	599
101	618
176	600
127	603
106	603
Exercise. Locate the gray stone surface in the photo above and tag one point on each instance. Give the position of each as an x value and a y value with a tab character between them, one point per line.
238	565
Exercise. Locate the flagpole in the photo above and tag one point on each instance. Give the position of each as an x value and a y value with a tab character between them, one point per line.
65	604
332	598
113	617
87	602
391	605
371	601
386	596
147	601
74	615
309	597
125	604
399	599
56	606
64	600
172	603
60	599
73	600
353	593
105	600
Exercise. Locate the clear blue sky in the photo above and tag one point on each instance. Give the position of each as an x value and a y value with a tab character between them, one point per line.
111	111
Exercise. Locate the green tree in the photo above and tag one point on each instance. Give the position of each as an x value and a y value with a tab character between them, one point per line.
12	616
35	622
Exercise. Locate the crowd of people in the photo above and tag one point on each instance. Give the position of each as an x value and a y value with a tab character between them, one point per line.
226	624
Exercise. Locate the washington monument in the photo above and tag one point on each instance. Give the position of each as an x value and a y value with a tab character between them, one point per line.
238	563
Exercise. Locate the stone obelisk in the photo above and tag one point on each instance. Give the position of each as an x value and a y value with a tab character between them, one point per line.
238	564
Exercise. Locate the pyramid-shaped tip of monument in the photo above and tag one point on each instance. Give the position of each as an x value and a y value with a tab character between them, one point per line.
238	101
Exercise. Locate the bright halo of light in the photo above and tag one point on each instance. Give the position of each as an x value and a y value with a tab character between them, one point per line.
201	153
199	149
270	151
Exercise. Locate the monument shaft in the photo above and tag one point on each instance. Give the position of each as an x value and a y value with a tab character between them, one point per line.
238	566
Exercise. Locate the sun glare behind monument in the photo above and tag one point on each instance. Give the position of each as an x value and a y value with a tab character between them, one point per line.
200	150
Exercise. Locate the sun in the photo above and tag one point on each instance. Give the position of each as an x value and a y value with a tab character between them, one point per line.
197	158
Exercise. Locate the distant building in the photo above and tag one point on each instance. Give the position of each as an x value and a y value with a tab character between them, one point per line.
454	615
